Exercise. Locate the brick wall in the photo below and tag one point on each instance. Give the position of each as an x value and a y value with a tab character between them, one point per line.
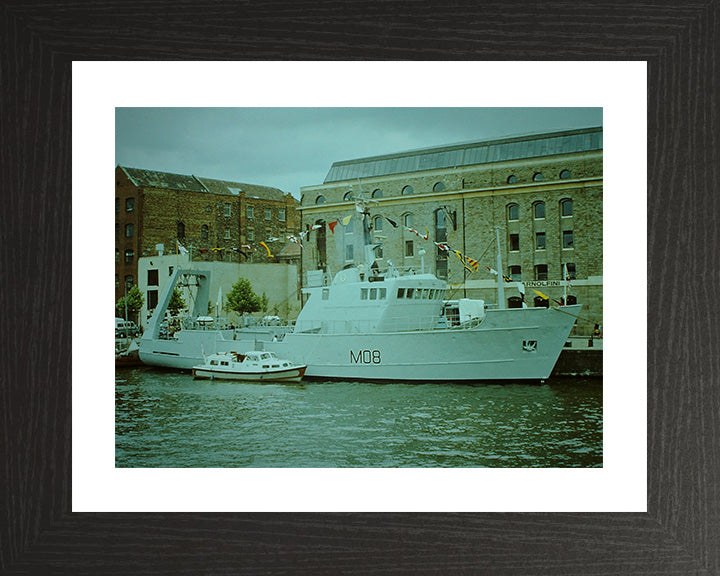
479	197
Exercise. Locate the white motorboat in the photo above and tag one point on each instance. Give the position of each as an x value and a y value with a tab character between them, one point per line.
253	366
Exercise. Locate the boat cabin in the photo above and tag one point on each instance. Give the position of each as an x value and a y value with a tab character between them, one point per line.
353	304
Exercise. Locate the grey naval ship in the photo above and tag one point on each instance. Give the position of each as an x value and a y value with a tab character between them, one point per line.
373	324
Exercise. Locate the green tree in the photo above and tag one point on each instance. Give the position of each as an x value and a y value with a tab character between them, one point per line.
242	299
135	303
177	303
264	301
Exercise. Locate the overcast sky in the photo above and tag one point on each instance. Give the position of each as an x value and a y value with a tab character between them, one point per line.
292	147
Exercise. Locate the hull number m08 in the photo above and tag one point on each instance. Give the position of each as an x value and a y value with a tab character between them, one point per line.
365	357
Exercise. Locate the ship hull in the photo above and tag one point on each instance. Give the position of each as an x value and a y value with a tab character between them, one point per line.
512	344
290	375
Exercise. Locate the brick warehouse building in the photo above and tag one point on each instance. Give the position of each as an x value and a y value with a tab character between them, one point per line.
543	191
209	217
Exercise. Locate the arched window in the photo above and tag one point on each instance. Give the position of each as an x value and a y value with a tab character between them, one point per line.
439	187
515	302
539	210
181	230
377	193
408	190
513	212
565	174
320	199
377	223
408	220
204	231
512	179
538	177
541	302
566	207
348	196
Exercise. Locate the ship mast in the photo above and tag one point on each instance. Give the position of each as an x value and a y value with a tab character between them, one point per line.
500	279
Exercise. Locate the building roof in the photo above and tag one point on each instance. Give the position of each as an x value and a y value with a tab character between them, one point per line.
191	183
469	153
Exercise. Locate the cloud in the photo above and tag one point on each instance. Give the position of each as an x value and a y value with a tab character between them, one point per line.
292	147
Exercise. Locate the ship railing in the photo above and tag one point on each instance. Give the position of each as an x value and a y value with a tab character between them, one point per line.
393	324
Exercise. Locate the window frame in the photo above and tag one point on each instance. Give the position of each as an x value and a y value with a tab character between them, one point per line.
537	205
508	209
409	249
538	272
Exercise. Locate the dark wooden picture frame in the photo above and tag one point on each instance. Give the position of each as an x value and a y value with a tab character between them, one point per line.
680	533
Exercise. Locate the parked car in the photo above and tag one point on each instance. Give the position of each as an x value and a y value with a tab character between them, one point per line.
126	329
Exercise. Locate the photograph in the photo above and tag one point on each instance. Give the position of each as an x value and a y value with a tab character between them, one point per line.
452	453
359	287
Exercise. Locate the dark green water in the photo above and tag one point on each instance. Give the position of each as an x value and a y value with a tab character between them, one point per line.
167	419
